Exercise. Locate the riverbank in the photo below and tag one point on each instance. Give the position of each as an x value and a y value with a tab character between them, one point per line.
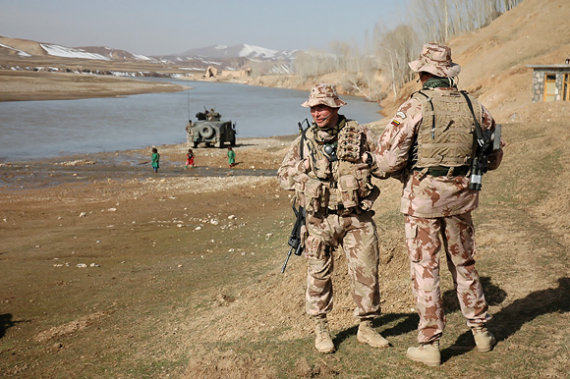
31	85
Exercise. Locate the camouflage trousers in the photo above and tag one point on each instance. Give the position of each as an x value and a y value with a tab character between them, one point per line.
356	233
423	240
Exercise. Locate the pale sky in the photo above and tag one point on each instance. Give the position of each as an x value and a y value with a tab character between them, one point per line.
160	27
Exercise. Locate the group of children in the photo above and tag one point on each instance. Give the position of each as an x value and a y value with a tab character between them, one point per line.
155	159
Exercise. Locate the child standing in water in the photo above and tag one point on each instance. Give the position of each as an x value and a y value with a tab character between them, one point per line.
189	159
231	157
155	158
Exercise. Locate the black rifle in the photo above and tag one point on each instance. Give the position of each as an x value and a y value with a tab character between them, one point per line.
487	141
295	237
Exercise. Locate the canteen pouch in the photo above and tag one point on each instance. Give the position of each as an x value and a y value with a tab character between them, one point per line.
348	189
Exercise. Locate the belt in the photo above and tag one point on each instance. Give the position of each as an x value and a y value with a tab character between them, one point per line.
339	210
444	170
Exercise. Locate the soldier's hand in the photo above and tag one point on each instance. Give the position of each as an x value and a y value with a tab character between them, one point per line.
307	164
366	158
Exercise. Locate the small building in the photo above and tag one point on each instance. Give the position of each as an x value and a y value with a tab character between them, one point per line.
551	82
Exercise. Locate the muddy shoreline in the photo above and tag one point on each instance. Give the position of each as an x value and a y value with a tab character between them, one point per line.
252	154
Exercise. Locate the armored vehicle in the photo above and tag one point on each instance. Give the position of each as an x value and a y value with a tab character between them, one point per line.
210	130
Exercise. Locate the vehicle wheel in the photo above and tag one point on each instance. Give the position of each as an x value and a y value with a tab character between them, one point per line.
233	141
206	131
195	145
221	144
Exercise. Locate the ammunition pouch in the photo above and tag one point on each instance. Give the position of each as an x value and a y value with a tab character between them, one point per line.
313	195
350	140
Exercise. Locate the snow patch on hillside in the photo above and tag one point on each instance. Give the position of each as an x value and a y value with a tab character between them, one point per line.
20	52
68	52
142	57
252	51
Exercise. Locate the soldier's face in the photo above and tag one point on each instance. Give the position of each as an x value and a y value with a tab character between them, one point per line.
324	116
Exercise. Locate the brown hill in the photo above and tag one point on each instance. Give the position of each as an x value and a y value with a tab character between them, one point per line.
29	46
494	60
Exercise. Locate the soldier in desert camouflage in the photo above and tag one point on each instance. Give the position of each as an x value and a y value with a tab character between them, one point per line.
332	181
429	145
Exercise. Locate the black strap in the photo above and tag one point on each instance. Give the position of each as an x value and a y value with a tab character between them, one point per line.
480	137
301	147
303	137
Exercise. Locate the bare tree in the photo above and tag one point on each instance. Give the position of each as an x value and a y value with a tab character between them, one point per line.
389	51
395	49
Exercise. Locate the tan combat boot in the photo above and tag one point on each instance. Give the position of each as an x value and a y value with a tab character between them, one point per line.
484	339
323	340
426	353
366	334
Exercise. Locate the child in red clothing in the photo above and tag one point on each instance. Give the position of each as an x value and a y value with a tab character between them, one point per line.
189	158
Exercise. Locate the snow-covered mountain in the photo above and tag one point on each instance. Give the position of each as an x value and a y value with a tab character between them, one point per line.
220	56
239	51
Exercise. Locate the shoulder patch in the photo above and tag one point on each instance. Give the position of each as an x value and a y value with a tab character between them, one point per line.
395	122
401	114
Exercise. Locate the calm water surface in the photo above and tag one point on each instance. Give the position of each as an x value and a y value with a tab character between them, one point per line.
41	129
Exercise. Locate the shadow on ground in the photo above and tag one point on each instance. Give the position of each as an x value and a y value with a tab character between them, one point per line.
510	319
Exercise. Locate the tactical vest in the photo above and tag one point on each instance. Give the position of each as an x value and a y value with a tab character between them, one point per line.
342	185
445	137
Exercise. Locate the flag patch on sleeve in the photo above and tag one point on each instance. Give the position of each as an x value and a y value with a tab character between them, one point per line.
395	122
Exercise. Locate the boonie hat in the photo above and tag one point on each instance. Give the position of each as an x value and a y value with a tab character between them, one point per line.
325	94
436	59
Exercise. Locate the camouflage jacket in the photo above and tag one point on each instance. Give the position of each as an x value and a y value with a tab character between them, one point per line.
425	195
292	173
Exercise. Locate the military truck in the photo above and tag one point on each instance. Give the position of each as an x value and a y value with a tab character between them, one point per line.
210	130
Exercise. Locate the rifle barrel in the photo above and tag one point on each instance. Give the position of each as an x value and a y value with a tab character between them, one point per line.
286	260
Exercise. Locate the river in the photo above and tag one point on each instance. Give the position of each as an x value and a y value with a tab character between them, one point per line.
42	129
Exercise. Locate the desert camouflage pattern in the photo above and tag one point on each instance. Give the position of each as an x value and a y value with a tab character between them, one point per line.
356	233
436	59
328	227
424	245
323	93
425	195
435	207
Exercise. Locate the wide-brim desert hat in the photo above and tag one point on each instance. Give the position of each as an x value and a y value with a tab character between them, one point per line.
436	59
325	94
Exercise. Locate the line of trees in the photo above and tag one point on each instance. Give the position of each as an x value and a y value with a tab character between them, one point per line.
389	51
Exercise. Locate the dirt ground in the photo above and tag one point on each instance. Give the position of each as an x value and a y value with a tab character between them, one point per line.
109	270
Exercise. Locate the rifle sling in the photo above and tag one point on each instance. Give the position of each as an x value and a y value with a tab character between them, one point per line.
478	131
